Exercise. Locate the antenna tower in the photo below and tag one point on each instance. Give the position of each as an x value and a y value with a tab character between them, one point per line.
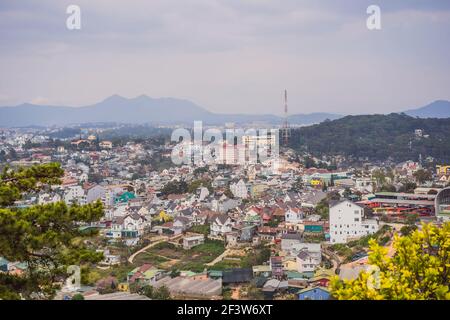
285	131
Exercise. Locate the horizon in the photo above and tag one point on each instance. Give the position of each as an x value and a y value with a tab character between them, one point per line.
226	113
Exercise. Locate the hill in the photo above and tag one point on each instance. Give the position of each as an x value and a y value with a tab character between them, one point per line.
376	137
139	110
436	109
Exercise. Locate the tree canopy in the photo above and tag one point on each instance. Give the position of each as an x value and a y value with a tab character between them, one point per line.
45	238
419	269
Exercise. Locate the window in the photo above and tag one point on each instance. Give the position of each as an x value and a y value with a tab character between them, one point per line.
356	219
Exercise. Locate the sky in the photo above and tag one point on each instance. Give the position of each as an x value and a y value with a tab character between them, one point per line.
228	56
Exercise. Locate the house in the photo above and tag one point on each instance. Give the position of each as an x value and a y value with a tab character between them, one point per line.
221	225
276	266
239	189
75	194
145	275
293	215
266	233
307	261
315	293
181	224
94	193
290	239
346	222
192	241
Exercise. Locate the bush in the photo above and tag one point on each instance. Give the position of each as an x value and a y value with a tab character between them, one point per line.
78	296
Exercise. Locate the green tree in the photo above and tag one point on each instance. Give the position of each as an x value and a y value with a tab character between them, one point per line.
422	176
418	270
46	238
78	296
162	293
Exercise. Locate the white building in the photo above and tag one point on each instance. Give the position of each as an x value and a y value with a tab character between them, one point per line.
346	222
239	189
221	225
75	194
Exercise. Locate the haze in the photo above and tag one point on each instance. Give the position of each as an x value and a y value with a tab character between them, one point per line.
229	56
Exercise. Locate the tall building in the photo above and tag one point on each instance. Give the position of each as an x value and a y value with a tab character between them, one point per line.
347	222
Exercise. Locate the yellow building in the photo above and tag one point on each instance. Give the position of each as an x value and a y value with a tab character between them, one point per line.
316	182
123	286
443	169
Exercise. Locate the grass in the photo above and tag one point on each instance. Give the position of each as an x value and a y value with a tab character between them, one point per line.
202	229
148	257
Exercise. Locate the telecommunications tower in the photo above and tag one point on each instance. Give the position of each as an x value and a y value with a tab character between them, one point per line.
285	130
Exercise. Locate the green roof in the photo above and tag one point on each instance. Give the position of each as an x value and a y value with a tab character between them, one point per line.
215	273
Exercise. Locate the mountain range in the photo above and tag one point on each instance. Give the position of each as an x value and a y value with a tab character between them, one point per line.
165	111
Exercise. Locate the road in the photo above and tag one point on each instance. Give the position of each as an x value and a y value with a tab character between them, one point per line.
131	258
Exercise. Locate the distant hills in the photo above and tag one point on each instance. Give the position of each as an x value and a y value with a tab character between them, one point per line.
436	109
139	110
377	137
165	111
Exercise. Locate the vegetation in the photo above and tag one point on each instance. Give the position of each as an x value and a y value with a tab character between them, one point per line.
46	238
201	228
161	293
418	270
377	137
175	187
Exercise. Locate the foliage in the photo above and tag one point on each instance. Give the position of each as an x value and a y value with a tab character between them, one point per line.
194	185
407	230
175	187
418	270
46	238
377	137
78	296
422	176
161	293
200	228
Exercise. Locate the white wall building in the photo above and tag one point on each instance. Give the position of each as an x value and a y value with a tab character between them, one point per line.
239	189
346	222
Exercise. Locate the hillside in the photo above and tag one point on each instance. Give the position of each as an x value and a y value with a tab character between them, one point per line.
376	137
436	109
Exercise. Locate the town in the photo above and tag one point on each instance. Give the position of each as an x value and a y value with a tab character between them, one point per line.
276	229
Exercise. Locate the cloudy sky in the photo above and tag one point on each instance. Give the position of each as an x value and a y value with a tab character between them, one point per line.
228	55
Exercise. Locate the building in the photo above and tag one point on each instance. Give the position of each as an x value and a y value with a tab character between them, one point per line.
347	222
239	189
443	170
190	242
221	225
316	293
290	239
307	262
442	204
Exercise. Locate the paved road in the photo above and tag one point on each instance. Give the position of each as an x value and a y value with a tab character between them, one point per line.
131	258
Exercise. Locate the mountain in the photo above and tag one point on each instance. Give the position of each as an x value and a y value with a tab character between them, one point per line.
376	137
436	109
139	110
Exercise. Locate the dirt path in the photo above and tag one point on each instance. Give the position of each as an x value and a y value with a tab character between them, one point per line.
131	258
219	258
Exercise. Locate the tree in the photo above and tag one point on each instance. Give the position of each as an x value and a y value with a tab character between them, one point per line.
46	238
162	293
420	269
422	176
78	296
298	185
